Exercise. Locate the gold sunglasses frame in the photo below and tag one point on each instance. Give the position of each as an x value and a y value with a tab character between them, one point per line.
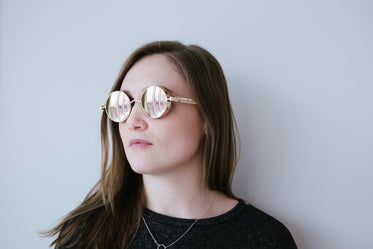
169	100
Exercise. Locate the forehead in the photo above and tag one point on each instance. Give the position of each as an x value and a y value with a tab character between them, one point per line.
154	70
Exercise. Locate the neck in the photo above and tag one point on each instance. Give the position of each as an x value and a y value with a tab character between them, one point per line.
181	196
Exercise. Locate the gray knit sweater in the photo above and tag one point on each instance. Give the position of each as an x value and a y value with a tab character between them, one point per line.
243	227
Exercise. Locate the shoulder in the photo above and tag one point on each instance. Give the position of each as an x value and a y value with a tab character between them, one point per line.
261	228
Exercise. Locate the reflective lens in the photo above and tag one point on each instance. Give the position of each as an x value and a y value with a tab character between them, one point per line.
154	102
118	106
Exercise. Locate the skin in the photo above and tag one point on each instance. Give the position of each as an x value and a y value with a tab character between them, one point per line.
170	153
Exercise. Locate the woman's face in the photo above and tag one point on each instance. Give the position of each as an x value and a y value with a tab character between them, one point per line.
170	143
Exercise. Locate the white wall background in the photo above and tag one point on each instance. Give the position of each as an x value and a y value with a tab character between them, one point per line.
300	75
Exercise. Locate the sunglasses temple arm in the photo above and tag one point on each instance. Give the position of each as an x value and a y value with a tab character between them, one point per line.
183	100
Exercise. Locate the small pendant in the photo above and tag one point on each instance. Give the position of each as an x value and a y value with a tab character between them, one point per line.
161	246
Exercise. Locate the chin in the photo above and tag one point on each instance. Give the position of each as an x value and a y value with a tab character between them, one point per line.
139	170
142	168
148	169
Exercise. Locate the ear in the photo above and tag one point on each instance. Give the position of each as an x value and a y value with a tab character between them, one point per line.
205	129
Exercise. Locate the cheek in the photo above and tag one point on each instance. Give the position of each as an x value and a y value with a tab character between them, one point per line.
122	132
186	133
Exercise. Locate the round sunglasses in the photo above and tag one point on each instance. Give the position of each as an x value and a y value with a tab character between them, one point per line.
155	102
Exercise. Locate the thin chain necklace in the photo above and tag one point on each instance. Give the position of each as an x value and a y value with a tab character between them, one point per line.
162	246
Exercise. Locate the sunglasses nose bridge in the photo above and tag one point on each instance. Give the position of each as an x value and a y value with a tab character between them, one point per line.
133	106
132	102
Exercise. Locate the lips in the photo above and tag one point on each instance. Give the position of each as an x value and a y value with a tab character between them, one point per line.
139	143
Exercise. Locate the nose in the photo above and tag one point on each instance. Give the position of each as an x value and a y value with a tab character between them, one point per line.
137	118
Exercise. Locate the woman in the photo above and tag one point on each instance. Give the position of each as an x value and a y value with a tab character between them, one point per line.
167	181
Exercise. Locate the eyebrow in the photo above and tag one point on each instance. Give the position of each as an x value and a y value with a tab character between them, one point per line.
170	91
126	92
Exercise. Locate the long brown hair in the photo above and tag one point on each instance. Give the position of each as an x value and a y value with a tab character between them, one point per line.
110	215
